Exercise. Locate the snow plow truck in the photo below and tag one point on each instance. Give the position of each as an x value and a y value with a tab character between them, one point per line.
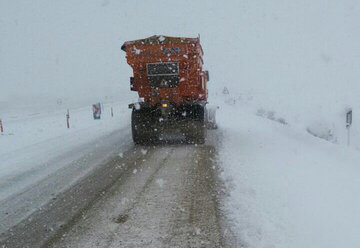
169	78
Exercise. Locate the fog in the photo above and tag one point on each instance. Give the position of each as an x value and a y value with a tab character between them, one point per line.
301	54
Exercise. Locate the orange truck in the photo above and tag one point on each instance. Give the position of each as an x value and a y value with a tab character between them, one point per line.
169	78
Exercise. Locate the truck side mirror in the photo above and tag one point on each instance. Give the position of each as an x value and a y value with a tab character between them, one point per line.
207	76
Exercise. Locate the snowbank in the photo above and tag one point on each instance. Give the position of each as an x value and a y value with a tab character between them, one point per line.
287	187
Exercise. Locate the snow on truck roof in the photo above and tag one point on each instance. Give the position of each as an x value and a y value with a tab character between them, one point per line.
160	39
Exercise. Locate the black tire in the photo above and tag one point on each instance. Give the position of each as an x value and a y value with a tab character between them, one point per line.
195	131
201	134
142	127
136	121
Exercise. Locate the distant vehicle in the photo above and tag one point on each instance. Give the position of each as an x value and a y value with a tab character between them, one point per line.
169	77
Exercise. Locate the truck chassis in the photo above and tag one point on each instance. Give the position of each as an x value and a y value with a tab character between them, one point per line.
149	123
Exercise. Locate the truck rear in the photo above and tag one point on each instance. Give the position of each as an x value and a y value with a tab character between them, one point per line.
168	75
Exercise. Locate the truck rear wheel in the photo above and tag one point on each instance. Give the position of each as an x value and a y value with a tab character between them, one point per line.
136	126
195	131
141	126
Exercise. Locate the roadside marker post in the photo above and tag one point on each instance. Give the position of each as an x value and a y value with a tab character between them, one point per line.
1	127
96	111
348	124
68	119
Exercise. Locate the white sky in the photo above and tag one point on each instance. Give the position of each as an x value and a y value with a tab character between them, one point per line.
71	49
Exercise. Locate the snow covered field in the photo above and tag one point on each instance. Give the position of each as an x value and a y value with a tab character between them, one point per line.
30	140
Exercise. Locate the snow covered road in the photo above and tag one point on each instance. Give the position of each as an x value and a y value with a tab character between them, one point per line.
27	191
162	196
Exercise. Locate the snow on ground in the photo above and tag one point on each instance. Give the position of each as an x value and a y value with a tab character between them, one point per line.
287	187
32	139
297	62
